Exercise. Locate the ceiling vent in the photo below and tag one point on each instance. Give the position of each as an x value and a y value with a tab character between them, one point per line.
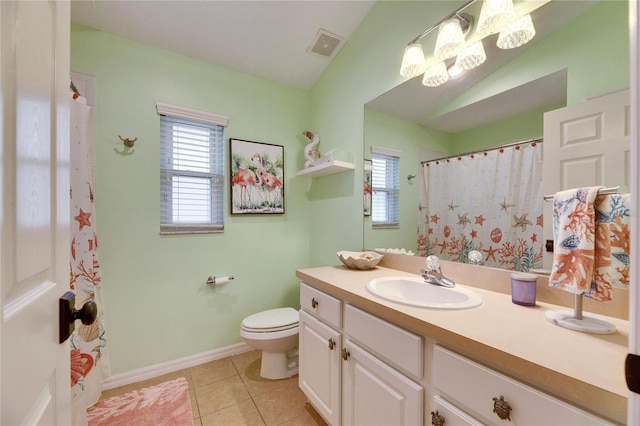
325	43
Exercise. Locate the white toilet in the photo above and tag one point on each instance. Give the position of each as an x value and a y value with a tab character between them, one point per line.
275	333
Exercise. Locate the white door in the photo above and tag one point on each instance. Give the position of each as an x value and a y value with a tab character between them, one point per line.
319	372
587	144
634	299
34	217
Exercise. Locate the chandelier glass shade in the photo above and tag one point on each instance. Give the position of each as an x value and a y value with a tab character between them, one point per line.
413	61
495	15
472	56
516	33
450	39
435	75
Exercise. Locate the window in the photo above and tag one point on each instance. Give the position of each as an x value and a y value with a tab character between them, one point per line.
385	182
191	171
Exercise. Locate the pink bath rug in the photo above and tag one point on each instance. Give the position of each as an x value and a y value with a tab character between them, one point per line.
165	404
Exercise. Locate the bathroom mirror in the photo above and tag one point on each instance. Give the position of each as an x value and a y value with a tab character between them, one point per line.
500	102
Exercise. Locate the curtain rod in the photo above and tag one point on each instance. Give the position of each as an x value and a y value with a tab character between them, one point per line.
536	140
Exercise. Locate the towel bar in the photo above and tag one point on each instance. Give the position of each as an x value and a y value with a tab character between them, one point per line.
603	191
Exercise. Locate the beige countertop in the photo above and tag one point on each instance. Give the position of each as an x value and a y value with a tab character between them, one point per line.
584	369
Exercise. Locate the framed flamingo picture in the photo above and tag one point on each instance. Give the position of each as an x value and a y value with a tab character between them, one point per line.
257	177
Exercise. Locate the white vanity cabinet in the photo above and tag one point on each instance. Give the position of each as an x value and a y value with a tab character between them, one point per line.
374	392
466	393
363	373
320	348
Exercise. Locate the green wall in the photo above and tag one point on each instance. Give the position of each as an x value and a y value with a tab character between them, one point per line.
158	307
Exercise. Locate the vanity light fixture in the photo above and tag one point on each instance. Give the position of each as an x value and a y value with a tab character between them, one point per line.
516	33
496	16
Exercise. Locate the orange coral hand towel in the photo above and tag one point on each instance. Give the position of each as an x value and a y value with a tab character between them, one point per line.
612	251
574	229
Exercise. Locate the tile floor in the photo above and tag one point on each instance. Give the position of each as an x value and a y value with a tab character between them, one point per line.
230	392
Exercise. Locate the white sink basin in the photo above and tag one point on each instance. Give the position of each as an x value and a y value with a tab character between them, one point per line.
415	292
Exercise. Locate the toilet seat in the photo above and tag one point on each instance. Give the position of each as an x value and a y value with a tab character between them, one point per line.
272	320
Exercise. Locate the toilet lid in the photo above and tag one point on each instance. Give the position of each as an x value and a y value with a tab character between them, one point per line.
281	318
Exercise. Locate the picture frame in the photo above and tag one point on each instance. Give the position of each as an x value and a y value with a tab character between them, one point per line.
256	177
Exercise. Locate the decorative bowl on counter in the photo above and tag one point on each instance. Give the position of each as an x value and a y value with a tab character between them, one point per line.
359	259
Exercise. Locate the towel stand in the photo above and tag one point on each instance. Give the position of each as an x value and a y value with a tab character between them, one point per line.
603	191
578	321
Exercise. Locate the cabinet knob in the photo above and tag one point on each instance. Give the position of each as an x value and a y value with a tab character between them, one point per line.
332	343
437	419
345	354
502	408
314	303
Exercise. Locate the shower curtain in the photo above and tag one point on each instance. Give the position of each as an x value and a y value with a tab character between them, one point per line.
89	364
488	201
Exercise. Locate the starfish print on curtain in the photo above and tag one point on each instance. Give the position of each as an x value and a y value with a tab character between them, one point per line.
491	202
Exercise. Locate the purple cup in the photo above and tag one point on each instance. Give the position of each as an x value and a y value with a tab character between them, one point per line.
523	288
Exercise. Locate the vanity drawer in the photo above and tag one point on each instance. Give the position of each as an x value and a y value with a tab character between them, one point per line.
451	414
398	346
321	305
472	388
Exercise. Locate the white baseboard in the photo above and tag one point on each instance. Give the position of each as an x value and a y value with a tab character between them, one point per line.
153	371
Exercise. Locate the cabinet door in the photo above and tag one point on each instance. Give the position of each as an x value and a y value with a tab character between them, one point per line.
319	369
376	394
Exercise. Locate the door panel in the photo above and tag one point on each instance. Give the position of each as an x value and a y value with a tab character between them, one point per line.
34	242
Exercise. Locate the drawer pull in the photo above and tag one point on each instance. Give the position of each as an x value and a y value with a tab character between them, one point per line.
502	408
345	354
332	343
437	419
314	303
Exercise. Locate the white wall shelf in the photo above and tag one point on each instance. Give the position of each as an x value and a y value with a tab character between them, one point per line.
326	169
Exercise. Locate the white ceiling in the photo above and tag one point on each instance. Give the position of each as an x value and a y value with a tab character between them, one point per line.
266	38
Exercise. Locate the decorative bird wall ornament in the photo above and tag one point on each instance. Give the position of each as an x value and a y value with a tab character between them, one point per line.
310	151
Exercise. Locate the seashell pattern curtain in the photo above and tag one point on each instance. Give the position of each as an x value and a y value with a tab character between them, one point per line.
89	363
488	201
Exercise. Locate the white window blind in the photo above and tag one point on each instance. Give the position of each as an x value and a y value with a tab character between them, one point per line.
191	174
385	182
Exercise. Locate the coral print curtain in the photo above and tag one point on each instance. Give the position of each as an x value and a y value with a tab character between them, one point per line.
88	361
489	201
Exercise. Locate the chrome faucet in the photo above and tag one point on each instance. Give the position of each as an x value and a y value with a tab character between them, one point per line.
433	275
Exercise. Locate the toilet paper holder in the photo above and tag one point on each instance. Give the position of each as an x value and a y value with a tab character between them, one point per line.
220	280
